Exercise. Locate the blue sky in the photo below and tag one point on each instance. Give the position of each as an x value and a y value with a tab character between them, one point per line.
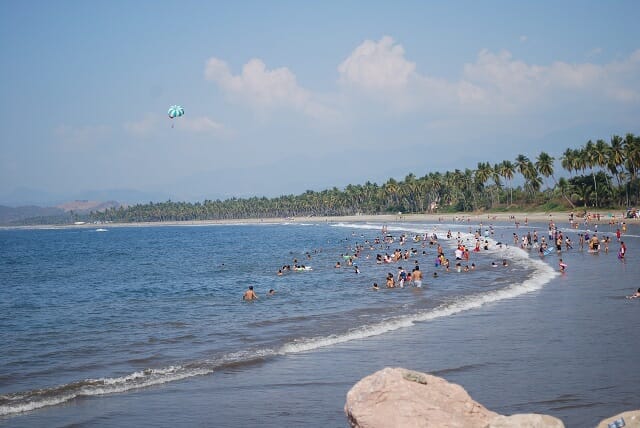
285	96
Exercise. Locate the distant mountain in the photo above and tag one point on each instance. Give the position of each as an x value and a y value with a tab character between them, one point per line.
10	215
124	196
32	214
85	206
25	196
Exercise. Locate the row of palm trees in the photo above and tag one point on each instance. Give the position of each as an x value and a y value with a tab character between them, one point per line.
620	158
598	164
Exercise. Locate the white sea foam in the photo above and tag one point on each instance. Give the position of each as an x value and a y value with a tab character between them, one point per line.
542	275
32	400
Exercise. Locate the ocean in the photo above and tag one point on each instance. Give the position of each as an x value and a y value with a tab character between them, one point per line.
146	326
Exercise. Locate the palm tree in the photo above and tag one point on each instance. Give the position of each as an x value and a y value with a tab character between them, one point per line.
522	166
583	191
544	165
534	183
591	160
615	160
601	158
497	183
483	173
481	176
568	160
525	167
632	156
563	186
469	188
391	190
507	170
434	188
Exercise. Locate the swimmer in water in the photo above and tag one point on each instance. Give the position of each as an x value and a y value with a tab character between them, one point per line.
635	295
250	294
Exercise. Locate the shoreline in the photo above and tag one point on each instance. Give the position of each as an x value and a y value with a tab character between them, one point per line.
560	217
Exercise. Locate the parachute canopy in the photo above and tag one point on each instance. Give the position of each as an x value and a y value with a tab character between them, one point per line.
175	111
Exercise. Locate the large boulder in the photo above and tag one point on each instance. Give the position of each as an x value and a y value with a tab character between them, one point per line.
629	419
526	420
396	397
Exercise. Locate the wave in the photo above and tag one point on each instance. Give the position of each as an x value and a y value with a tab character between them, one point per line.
35	399
542	273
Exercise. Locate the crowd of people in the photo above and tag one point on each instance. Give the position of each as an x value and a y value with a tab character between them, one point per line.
556	240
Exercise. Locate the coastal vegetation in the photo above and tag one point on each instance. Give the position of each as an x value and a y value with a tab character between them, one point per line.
600	175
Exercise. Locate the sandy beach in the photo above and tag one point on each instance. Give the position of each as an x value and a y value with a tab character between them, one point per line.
560	219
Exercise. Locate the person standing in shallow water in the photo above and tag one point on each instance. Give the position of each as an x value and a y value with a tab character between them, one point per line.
416	277
250	294
623	250
562	265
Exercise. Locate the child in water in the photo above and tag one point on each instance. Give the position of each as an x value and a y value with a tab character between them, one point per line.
563	265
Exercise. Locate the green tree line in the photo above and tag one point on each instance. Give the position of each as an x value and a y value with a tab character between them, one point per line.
600	175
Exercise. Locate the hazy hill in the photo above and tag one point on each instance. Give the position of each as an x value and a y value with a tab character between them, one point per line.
84	206
32	214
10	215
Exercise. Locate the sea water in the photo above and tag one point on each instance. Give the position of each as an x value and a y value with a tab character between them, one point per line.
116	313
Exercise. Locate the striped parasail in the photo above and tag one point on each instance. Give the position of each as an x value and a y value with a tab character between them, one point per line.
175	111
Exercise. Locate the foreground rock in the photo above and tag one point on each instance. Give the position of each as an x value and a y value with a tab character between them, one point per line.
631	420
395	397
526	420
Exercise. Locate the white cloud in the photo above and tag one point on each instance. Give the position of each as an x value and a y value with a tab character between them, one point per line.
143	127
152	124
495	81
523	38
80	138
375	66
263	88
468	93
201	125
500	70
504	78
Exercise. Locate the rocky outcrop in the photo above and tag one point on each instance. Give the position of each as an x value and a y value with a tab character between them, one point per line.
396	397
526	420
627	419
